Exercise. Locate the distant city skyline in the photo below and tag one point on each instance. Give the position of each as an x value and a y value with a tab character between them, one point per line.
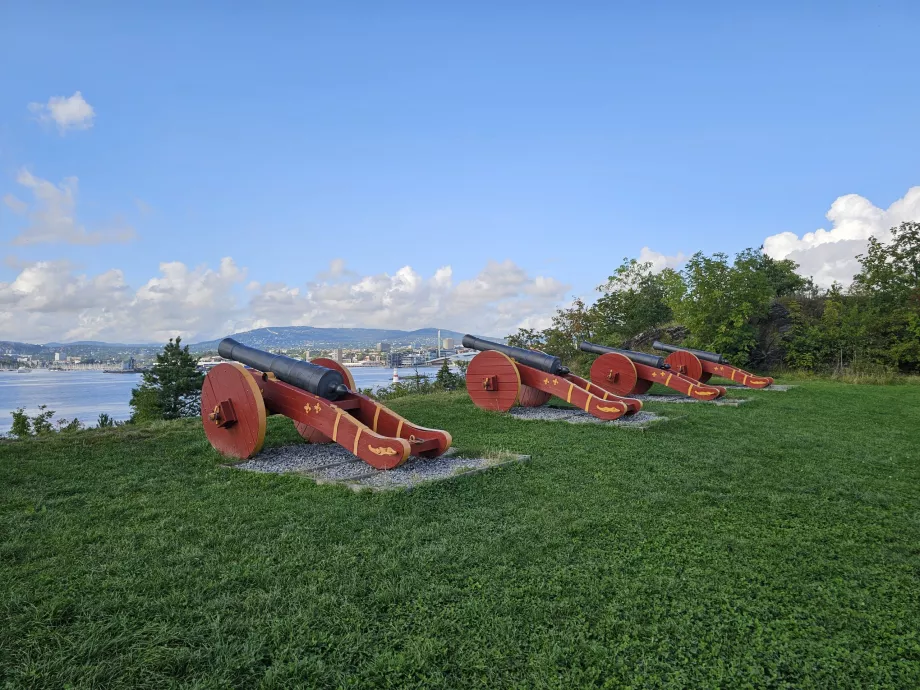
201	170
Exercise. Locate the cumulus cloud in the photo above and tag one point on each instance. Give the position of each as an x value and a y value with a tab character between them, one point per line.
830	255
52	214
17	206
68	113
50	301
497	300
661	261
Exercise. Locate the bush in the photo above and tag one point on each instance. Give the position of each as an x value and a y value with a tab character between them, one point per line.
41	424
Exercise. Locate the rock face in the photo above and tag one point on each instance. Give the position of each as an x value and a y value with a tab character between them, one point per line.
668	334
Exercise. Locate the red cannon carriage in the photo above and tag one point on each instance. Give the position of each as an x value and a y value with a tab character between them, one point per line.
501	376
319	396
702	366
625	372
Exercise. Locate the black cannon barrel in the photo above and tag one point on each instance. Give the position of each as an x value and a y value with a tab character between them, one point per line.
531	358
702	354
640	357
321	381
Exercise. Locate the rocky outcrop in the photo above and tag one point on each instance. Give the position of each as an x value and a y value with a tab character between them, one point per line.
667	334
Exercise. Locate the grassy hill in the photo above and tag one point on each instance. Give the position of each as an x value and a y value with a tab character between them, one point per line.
774	544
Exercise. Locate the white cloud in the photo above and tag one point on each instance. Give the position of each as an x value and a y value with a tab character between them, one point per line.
496	301
67	113
830	255
50	301
17	206
661	261
52	214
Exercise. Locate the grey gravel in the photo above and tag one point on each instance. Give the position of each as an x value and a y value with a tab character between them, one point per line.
331	463
731	402
420	470
304	457
639	420
782	387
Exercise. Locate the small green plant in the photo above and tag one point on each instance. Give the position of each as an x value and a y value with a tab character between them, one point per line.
72	425
105	421
22	425
41	423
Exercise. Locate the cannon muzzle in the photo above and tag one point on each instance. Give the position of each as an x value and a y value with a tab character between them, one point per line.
701	354
640	357
326	383
531	358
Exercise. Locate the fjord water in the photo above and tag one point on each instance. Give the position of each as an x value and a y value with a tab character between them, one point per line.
84	394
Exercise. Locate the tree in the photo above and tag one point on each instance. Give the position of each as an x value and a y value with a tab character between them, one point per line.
724	305
634	299
888	292
446	379
171	388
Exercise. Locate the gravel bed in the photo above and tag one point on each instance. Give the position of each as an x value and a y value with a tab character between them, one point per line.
572	416
731	402
346	471
303	457
782	387
420	470
330	463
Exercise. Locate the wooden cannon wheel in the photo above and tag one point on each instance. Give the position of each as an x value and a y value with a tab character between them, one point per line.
493	381
308	432
686	363
232	411
616	373
532	397
335	366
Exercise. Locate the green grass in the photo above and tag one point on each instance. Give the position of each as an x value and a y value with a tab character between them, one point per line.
776	544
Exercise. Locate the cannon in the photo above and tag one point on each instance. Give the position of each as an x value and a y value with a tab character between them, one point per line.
625	372
319	396
501	376
702	366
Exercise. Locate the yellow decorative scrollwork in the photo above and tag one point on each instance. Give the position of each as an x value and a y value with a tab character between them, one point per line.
381	451
608	409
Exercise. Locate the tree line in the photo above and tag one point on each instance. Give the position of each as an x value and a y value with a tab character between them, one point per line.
757	311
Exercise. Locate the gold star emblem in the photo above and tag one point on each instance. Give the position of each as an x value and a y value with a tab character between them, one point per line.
546	382
317	408
555	382
306	408
654	374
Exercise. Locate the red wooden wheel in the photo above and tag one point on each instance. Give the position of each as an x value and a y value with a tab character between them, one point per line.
493	381
685	363
311	434
341	368
232	411
531	397
615	373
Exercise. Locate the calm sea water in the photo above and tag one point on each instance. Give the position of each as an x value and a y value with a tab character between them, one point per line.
84	394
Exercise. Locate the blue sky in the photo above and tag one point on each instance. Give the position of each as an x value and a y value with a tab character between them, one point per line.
550	139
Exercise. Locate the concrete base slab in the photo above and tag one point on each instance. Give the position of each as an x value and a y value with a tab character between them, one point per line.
331	464
640	420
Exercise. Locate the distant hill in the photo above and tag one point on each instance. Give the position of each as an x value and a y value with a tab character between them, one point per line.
274	337
14	347
308	336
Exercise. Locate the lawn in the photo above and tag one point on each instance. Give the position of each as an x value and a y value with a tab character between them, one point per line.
776	544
